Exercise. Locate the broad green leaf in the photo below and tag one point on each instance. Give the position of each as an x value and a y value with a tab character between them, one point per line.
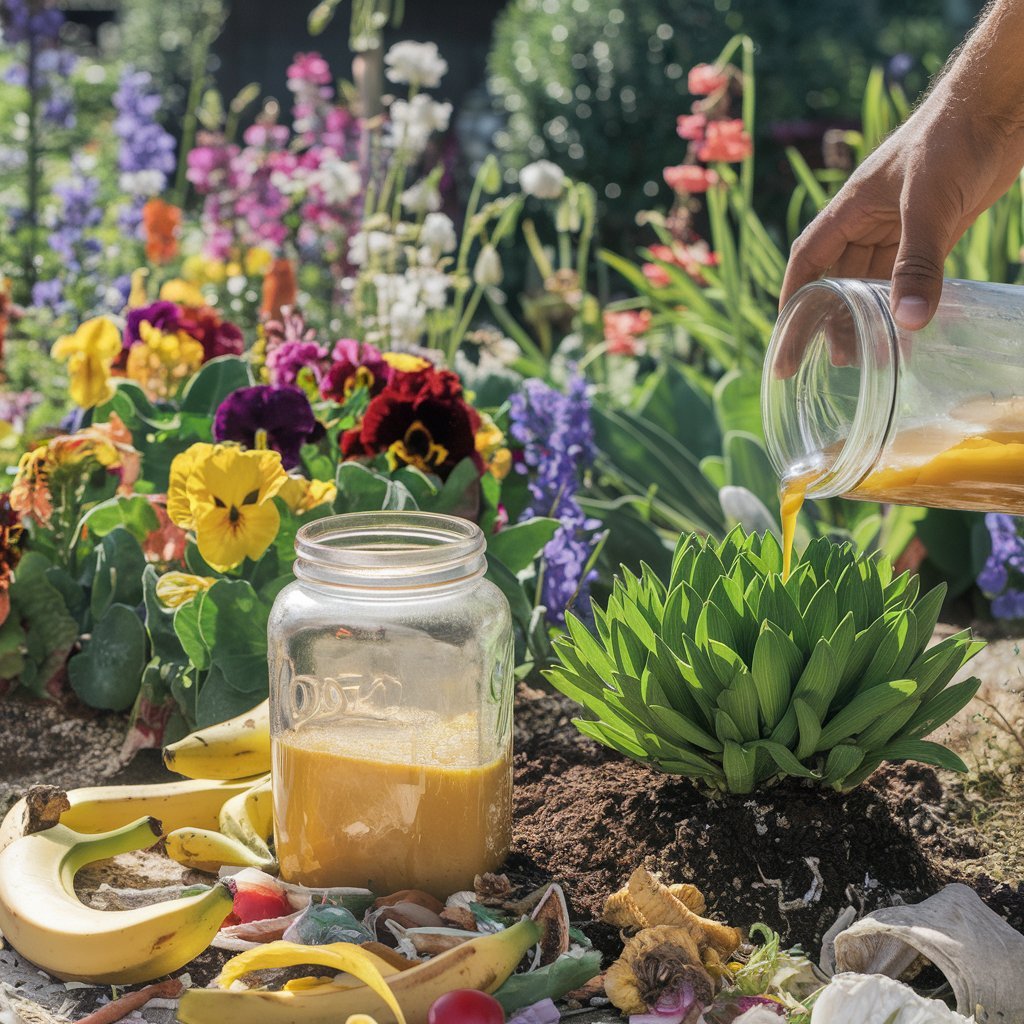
842	760
940	708
686	730
888	726
821	614
108	671
214	382
774	667
739	765
864	709
924	751
740	702
819	680
809	726
784	758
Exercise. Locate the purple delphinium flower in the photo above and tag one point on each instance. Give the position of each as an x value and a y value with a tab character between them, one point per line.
1007	556
49	294
285	362
265	416
146	154
78	213
163	315
558	444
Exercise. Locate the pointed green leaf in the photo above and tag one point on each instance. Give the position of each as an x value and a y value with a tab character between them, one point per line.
739	764
819	681
685	730
785	760
864	709
809	726
888	726
842	760
740	702
924	751
939	709
775	666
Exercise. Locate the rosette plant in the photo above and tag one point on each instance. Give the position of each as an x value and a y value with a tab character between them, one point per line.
732	676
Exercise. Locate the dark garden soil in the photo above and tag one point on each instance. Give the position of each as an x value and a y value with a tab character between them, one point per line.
793	858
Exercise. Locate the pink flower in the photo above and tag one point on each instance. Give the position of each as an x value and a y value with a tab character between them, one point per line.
689	178
704	79
691	126
621	330
689	258
310	67
726	141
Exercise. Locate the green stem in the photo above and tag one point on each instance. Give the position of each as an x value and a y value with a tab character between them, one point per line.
190	122
32	168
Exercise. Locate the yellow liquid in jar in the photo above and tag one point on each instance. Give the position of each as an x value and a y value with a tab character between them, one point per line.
390	805
982	472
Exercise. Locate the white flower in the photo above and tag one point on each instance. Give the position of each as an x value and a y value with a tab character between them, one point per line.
432	286
438	234
488	271
143	183
413	121
423	197
542	179
417	64
364	245
338	180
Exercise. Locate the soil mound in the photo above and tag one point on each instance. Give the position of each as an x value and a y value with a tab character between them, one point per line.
793	857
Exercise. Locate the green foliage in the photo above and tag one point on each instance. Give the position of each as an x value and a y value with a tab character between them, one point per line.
729	675
106	673
579	81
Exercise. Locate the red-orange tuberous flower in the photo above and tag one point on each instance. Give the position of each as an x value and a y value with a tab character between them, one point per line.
160	222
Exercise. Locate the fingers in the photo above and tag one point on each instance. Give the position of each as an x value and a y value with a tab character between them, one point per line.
929	230
813	253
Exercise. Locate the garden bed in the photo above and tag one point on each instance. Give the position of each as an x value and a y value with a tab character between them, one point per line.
793	858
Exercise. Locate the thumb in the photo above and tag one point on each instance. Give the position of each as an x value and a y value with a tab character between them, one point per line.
918	267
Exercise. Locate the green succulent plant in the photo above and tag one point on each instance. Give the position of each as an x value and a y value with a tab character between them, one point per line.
731	676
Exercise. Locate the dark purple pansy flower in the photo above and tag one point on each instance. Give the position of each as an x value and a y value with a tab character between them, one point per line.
164	316
266	416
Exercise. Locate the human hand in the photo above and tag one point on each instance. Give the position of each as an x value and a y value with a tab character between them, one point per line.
908	204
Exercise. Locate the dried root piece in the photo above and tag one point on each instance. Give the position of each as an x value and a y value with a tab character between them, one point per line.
690	896
655	962
621	911
659	907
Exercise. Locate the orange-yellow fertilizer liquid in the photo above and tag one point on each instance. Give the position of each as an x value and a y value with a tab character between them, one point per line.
984	472
390	805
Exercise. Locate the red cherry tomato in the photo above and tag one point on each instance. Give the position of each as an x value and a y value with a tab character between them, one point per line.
466	1006
258	903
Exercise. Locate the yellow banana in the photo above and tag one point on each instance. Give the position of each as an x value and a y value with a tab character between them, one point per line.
233	749
484	963
195	802
206	850
43	919
249	818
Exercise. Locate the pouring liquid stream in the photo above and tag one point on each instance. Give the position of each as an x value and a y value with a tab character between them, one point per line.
983	471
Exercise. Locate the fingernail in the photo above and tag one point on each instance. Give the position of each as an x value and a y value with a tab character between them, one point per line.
911	312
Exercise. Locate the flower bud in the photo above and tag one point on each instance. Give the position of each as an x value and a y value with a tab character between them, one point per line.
542	180
488	272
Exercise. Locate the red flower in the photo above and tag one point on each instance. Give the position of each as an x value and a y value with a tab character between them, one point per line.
420	419
621	330
689	258
218	337
280	289
160	224
691	126
355	365
726	141
689	178
704	79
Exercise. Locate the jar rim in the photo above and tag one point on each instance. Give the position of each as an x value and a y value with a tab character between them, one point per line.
878	356
390	550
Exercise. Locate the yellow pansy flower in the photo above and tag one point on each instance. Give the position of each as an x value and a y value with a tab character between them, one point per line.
224	493
301	495
405	362
138	296
257	261
182	292
200	270
160	361
174	589
490	445
89	353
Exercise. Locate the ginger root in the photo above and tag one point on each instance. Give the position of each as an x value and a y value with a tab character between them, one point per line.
674	947
655	962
